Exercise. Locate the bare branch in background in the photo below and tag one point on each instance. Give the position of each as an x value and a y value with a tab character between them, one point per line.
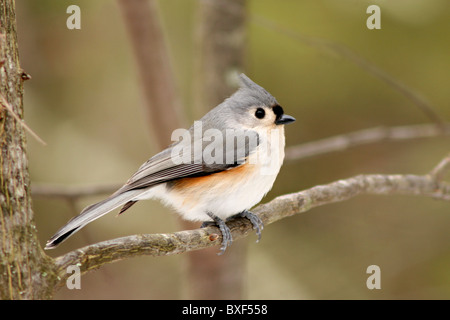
441	169
293	153
94	256
366	136
221	35
220	52
345	52
163	106
71	193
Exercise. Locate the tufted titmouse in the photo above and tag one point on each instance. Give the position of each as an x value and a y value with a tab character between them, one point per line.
219	168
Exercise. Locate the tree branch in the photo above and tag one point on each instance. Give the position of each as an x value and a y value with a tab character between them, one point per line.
343	51
163	106
366	136
220	42
22	261
441	169
293	153
70	192
4	103
94	256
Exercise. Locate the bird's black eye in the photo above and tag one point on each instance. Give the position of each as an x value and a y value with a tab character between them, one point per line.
260	113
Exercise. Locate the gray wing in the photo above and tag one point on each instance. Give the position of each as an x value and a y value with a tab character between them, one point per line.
164	167
159	169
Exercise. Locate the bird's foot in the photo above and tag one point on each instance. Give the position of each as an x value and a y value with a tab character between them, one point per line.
258	225
227	238
207	224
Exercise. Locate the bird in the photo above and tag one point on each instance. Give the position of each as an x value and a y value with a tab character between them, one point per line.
218	169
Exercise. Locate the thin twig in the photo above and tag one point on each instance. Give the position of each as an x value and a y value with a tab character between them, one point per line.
441	169
71	193
353	57
8	107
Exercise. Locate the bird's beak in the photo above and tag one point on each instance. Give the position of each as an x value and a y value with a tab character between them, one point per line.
285	119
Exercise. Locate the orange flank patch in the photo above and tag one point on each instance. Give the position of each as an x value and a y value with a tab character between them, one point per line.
217	182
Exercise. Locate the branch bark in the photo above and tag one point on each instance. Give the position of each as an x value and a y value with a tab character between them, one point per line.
94	256
22	261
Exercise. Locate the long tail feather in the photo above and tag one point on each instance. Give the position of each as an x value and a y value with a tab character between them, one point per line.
90	214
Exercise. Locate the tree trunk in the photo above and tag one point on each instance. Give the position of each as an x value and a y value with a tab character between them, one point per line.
220	54
23	264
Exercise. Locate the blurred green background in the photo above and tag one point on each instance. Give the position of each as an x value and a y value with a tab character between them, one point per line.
85	101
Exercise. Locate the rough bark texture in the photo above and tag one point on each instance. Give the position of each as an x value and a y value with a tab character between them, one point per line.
23	265
96	255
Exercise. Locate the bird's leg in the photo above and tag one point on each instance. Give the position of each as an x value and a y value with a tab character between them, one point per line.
207	224
227	239
258	225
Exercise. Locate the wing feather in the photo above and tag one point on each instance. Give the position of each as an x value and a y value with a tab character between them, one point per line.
158	169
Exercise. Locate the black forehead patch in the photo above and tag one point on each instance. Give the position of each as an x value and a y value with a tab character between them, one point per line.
278	110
